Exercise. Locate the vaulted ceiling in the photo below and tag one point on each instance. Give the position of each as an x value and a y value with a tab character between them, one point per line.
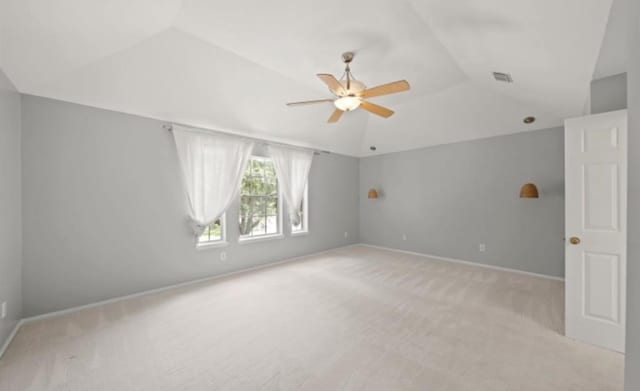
233	65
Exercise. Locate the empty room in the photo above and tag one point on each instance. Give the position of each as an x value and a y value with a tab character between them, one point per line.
283	195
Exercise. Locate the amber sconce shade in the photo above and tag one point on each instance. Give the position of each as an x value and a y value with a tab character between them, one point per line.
529	190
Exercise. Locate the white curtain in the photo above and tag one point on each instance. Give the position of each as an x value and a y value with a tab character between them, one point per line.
213	166
292	168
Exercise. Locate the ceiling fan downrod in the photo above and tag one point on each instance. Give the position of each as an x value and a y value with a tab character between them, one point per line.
347	57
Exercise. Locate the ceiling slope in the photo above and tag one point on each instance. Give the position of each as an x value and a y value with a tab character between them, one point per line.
209	87
613	53
233	65
42	40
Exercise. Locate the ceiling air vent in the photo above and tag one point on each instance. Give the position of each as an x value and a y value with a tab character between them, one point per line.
503	77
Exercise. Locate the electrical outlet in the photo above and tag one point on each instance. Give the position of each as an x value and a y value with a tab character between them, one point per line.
3	311
346	234
482	247
223	255
404	236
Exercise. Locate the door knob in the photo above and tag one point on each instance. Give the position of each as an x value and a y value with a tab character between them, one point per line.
574	240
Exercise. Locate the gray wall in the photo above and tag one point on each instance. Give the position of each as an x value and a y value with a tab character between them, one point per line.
632	370
10	220
104	212
609	94
448	199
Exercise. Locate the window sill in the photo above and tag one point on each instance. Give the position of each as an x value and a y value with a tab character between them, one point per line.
299	233
264	238
207	246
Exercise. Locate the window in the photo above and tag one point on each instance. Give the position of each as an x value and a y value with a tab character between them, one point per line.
259	200
303	227
214	233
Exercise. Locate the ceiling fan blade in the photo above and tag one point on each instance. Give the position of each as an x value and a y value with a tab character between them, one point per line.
333	83
309	102
376	109
386	89
335	116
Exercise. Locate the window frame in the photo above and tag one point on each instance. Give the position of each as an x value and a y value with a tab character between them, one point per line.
305	215
279	215
218	242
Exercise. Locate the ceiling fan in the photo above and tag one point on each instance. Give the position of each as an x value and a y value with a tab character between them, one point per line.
351	93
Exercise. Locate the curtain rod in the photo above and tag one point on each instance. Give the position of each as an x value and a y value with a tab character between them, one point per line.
169	127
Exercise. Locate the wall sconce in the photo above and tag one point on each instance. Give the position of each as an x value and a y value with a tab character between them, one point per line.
373	194
529	190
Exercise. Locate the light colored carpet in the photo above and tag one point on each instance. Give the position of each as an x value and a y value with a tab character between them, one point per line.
351	319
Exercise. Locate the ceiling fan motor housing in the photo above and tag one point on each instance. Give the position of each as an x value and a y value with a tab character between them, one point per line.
355	88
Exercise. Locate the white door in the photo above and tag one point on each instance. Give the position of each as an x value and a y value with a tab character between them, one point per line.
596	228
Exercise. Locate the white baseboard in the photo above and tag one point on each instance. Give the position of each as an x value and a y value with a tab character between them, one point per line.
6	343
157	290
173	286
255	268
483	265
23	321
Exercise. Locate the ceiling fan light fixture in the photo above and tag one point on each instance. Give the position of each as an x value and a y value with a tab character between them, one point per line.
347	103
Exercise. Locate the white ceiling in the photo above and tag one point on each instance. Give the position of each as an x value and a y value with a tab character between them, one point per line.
613	53
234	65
